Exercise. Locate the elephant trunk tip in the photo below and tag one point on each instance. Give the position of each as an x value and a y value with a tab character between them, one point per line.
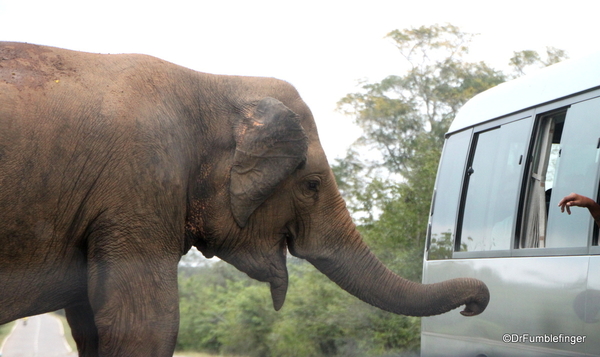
477	302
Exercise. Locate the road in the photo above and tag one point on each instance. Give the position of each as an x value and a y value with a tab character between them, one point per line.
37	336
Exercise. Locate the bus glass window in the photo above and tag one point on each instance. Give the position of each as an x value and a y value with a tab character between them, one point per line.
447	195
546	153
492	187
577	171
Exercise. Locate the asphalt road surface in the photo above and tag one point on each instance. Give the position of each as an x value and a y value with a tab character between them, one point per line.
37	336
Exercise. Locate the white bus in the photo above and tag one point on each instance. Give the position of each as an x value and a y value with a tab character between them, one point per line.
512	153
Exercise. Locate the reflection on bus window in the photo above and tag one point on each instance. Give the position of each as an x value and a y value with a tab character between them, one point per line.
544	163
492	188
447	196
577	171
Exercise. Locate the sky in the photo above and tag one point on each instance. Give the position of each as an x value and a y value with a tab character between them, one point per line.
325	48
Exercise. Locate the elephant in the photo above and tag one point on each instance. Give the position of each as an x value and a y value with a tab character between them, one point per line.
112	166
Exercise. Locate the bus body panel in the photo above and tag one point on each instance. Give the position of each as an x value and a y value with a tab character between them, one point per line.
591	311
533	300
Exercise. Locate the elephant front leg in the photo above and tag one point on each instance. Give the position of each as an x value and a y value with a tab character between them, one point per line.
134	299
83	329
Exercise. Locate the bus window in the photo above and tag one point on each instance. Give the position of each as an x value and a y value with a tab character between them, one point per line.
492	183
544	162
564	160
447	194
577	171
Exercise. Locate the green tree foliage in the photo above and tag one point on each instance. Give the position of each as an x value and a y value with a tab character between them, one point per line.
224	312
387	180
405	114
521	60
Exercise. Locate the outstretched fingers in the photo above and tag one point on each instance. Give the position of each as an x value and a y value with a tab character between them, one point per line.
573	199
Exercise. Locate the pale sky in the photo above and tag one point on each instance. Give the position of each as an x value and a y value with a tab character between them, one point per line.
322	47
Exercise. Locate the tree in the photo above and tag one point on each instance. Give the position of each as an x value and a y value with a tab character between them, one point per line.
527	58
404	115
401	108
224	312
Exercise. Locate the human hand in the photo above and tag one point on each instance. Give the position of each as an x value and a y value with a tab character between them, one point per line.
574	200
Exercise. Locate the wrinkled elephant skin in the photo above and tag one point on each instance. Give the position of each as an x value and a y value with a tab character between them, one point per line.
113	166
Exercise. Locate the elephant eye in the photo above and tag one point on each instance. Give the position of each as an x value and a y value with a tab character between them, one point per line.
310	186
313	185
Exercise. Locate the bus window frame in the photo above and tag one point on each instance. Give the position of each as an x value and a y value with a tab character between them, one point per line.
487	126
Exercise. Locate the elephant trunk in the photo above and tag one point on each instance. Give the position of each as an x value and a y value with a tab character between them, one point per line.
368	279
355	269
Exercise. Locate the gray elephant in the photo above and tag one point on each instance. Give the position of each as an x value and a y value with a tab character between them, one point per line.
113	166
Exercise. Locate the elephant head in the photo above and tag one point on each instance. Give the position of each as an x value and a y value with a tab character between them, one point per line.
279	194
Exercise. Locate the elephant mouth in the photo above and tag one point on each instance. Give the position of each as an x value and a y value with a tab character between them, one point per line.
269	268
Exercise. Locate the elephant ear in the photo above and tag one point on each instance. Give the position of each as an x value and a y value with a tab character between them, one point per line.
270	145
